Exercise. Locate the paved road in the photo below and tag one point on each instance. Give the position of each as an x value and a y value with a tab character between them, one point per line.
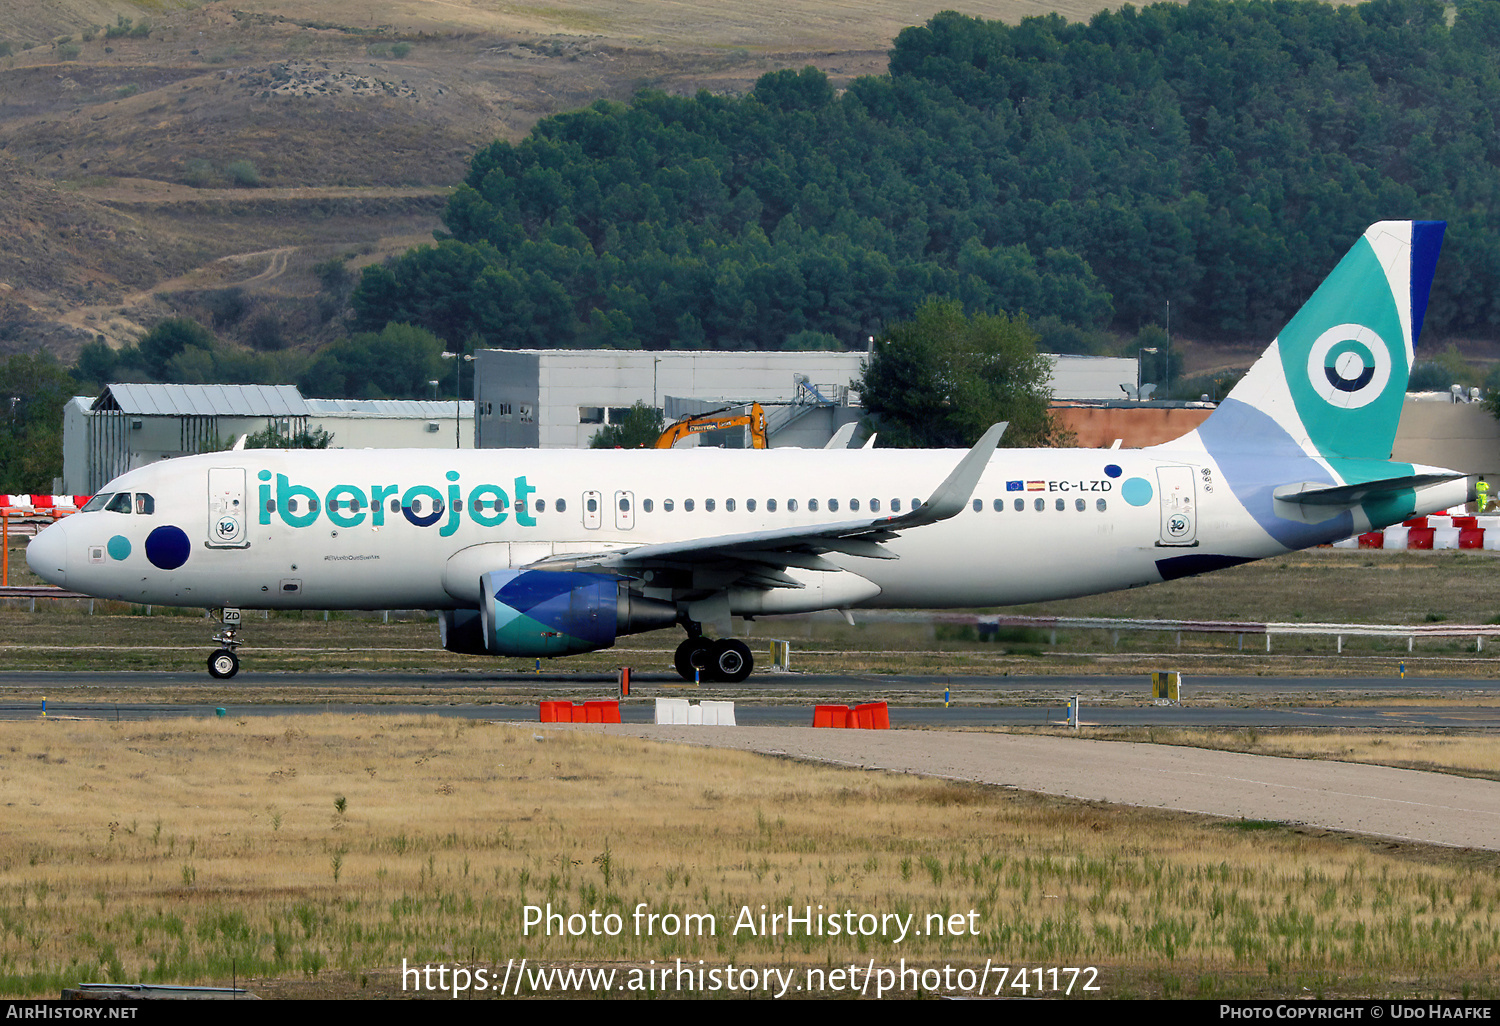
768	699
1432	808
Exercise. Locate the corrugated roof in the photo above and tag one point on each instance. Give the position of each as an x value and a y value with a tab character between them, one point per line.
203	400
414	409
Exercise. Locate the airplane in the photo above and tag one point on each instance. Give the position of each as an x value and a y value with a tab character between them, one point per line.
535	553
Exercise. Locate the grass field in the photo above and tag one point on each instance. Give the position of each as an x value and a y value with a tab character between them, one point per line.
312	859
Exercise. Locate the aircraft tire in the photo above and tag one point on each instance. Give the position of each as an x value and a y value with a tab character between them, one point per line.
223	664
694	655
731	661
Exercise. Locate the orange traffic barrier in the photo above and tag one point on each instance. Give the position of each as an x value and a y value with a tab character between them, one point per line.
870	716
874	716
588	712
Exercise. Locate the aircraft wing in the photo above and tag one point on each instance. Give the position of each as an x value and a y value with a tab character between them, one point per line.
759	557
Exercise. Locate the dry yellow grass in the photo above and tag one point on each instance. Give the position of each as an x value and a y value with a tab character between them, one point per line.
328	849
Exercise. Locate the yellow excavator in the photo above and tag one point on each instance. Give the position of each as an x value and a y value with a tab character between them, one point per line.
714	421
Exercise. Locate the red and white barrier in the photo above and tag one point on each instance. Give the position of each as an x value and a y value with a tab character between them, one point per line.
1440	531
21	503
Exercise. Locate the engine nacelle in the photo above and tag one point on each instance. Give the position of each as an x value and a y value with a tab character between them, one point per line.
462	631
556	613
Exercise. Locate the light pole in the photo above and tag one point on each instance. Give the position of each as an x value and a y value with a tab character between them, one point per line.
458	384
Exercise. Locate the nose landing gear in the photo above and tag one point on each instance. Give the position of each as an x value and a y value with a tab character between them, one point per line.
224	663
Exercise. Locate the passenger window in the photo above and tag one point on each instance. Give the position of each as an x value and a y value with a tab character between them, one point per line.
812	505
687	505
312	505
895	505
120	503
562	505
833	505
729	505
874	505
1101	505
624	505
646	505
541	505
270	505
1062	504
291	505
1020	505
978	505
750	505
999	505
854	505
770	505
396	505
666	505
708	504
593	505
1079	505
1041	504
791	505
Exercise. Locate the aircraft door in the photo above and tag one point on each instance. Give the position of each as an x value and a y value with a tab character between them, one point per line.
227	511
1179	506
593	512
624	510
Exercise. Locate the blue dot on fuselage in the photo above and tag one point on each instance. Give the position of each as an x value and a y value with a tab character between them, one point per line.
119	547
167	547
1110	470
1136	491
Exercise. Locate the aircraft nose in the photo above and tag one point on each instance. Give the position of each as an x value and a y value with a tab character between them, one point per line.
47	555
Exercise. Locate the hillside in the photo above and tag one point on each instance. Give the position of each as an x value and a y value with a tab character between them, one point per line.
242	143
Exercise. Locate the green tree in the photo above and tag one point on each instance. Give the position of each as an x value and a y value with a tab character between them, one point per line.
270	438
169	338
33	391
642	427
942	378
395	363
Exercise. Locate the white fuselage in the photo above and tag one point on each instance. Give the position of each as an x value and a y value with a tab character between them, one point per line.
1042	524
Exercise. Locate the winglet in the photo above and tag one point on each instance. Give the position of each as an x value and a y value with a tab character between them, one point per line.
950	497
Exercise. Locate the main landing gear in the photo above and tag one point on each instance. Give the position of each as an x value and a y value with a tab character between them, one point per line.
726	661
224	664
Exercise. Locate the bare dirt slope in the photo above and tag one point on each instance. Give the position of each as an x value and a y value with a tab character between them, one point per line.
135	163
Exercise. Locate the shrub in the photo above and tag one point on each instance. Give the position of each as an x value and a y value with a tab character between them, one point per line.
242	172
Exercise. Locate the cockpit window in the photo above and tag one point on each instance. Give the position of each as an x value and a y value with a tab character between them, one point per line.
97	502
144	503
120	503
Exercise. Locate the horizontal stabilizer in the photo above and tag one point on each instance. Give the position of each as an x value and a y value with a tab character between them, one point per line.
1312	493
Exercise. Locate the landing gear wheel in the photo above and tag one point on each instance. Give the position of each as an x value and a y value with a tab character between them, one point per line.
693	655
730	661
223	664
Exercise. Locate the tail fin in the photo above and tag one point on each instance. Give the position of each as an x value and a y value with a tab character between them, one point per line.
1335	378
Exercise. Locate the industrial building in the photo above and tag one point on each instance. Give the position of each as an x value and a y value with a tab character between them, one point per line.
559	398
131	425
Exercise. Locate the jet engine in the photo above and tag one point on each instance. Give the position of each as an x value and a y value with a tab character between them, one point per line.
553	613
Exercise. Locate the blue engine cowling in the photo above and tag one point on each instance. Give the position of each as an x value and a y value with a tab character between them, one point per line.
555	613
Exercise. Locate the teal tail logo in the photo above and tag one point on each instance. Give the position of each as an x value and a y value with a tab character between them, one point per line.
1304	441
1336	376
1347	354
